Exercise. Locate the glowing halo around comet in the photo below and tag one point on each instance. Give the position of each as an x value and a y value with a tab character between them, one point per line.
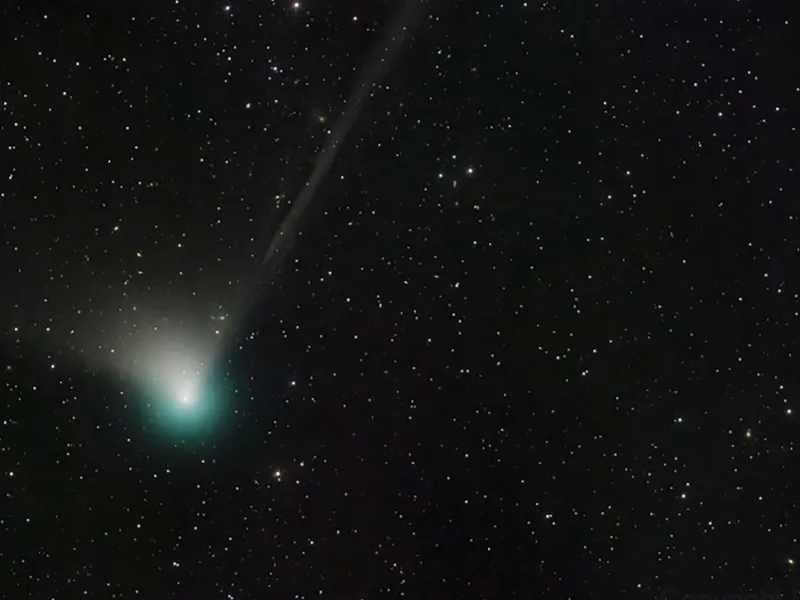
180	391
173	375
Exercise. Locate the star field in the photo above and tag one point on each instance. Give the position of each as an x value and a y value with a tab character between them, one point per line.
417	299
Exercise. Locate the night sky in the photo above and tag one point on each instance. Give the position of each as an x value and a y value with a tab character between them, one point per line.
413	299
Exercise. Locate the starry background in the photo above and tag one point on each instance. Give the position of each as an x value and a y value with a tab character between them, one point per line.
536	337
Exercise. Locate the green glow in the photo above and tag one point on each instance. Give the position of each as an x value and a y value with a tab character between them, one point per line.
193	412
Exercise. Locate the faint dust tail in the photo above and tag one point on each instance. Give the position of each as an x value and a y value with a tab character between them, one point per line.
375	68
